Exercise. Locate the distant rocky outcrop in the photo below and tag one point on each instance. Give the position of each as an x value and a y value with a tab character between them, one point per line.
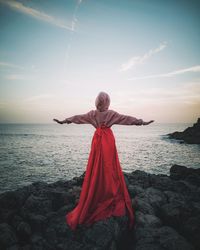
167	215
190	135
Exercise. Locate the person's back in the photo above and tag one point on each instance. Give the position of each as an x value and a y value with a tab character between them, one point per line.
103	115
108	118
104	192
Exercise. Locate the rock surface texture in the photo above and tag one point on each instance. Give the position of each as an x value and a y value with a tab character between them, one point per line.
167	215
190	135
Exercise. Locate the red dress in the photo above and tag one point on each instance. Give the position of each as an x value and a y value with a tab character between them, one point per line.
104	192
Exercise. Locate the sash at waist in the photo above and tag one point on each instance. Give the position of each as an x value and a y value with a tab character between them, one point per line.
101	128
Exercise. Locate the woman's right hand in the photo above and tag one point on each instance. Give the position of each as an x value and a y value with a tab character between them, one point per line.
147	123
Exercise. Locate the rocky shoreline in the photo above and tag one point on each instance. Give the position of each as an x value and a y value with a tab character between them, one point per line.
190	135
167	215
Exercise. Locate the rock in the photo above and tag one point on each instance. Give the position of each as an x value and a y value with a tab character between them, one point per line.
26	247
39	205
9	200
6	215
140	178
71	245
166	210
162	182
58	198
16	221
147	220
14	247
144	206
190	135
171	214
23	231
37	222
14	199
173	196
191	228
178	172
100	234
50	235
7	236
135	190
155	197
38	242
160	239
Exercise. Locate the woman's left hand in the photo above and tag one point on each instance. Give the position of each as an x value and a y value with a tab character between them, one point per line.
56	120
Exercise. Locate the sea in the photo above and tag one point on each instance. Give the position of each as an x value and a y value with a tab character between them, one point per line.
52	152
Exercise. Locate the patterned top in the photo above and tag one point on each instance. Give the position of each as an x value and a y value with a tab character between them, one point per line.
105	118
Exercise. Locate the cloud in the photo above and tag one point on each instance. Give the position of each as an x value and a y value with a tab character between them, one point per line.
187	93
20	7
38	97
133	61
170	74
10	65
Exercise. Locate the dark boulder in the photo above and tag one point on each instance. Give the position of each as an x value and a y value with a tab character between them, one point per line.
7	236
190	135
166	210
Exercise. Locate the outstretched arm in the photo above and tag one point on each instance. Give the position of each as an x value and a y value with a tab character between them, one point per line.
78	119
128	120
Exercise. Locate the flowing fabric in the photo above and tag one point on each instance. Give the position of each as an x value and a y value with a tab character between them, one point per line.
104	192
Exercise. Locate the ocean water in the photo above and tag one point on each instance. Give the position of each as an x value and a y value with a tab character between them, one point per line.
51	152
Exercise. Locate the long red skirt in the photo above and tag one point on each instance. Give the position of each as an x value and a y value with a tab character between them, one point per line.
104	192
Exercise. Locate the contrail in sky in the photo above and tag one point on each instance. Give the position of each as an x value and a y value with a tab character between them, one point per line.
37	14
169	74
74	21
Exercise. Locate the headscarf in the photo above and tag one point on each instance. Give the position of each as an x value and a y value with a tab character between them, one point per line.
102	101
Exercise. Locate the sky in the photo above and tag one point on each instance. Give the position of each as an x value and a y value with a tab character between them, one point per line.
56	56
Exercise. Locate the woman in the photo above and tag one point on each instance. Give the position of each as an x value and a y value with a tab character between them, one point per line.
104	192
